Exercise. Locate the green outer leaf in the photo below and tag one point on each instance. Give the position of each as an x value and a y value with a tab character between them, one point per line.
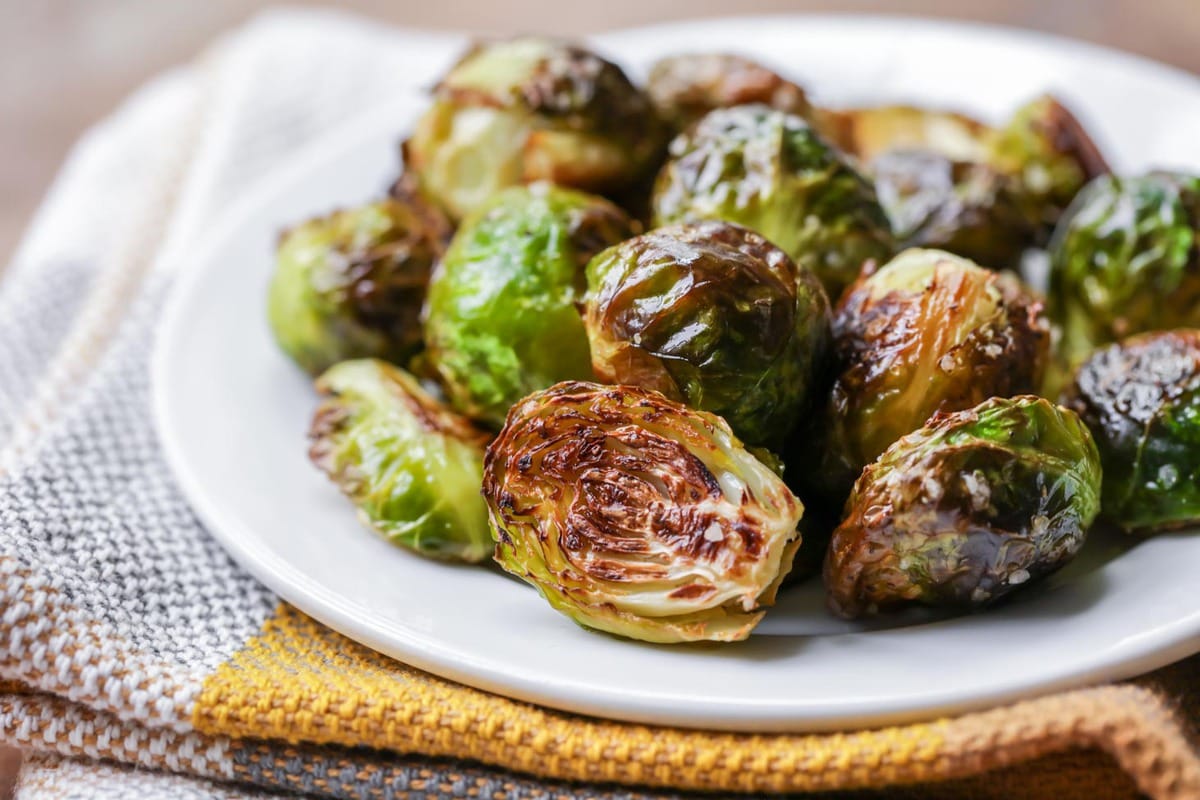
412	467
501	319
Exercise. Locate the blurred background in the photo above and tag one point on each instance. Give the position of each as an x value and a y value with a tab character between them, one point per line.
65	63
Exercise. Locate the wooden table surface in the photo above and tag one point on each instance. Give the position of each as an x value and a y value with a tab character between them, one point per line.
65	63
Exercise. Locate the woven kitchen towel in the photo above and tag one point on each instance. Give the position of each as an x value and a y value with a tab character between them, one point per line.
136	658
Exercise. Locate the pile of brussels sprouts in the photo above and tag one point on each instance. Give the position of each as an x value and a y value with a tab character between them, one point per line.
652	350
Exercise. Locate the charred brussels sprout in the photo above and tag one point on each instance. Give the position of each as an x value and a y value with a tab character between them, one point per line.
635	515
1046	147
713	315
502	319
351	284
965	207
1126	259
1141	399
928	332
967	509
686	87
412	467
532	109
768	170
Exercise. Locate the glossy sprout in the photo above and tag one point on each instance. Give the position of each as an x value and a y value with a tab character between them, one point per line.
351	284
964	207
972	506
769	171
502	318
1125	259
635	515
715	316
1141	400
1050	152
928	332
531	109
412	467
686	87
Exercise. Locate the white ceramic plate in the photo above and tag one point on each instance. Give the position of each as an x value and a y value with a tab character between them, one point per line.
232	413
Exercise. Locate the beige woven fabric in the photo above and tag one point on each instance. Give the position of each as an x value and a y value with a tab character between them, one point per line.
128	640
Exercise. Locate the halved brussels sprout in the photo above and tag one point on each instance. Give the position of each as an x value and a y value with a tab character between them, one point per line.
351	284
928	332
715	316
868	133
532	109
412	467
967	509
965	207
502	316
1141	399
1050	151
1125	259
769	171
638	516
686	87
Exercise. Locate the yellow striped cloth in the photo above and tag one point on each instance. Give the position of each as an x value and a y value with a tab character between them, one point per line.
137	658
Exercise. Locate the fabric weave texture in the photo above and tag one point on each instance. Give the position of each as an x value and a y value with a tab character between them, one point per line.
137	659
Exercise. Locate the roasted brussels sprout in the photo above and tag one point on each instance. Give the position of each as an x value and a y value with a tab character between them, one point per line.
949	181
351	284
1049	150
412	467
965	207
868	133
1125	258
636	515
532	109
713	315
1141	399
501	319
768	170
967	509
686	87
928	332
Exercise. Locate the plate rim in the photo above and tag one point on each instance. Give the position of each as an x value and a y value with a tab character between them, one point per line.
1169	643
